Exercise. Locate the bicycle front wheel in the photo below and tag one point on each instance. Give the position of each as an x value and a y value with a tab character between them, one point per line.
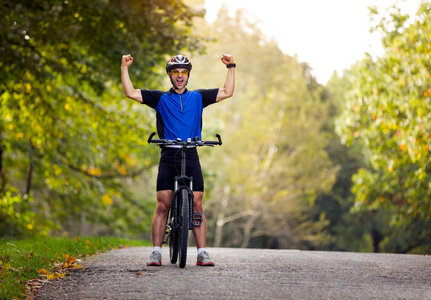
184	227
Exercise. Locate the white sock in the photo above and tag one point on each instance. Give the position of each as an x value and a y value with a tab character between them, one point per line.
200	250
158	249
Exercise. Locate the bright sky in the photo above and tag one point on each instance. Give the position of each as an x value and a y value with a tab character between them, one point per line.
330	35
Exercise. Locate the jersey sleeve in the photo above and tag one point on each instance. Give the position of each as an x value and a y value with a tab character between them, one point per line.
151	97
209	96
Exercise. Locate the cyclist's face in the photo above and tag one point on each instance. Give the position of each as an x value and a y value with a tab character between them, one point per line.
179	78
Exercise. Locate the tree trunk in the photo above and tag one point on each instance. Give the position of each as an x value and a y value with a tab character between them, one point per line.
220	217
247	230
377	238
30	170
2	175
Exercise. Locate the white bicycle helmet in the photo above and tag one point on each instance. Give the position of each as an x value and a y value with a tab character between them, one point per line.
178	61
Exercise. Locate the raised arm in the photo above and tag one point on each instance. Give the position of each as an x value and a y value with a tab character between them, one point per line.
229	85
129	90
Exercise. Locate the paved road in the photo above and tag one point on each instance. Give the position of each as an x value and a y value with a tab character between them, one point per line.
248	274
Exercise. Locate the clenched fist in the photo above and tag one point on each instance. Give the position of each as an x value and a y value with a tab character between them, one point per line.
127	60
227	59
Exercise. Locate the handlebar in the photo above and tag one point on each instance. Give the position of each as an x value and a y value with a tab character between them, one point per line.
189	142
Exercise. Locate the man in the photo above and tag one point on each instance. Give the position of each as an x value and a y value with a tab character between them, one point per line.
179	115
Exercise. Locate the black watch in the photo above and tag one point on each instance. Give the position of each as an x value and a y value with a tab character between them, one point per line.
231	65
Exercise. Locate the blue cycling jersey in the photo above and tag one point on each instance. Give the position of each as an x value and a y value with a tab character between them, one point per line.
179	115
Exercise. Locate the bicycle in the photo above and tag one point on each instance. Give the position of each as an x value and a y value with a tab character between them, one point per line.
181	218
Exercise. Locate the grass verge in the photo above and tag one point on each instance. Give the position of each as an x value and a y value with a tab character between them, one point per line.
25	263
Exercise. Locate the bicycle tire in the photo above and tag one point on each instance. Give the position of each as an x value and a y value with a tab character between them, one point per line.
173	239
184	227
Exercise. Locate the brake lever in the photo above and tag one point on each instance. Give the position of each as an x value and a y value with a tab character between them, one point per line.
151	137
219	139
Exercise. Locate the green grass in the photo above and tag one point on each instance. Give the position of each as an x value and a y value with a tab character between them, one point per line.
20	260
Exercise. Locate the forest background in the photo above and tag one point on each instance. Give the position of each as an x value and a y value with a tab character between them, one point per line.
343	166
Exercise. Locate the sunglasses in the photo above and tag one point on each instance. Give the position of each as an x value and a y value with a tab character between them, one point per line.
176	72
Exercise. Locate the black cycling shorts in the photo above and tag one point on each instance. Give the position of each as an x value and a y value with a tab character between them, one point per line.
170	166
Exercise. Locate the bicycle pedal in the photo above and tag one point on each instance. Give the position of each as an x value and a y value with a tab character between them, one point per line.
197	219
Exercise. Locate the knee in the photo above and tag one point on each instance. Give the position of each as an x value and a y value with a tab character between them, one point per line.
163	203
162	208
197	203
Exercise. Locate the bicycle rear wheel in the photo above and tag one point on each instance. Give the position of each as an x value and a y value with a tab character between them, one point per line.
184	227
173	239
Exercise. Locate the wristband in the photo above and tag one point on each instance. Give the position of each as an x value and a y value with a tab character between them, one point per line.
231	65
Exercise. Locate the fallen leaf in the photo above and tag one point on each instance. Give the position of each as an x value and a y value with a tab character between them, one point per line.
42	272
54	276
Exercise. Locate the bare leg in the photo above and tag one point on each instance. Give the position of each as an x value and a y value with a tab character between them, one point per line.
200	232
158	225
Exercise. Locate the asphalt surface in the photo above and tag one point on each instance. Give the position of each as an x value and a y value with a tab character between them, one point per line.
247	274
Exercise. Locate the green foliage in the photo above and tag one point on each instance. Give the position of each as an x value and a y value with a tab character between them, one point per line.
389	114
16	218
23	260
69	140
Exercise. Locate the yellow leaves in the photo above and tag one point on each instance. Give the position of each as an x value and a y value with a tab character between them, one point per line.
83	69
57	170
29	75
17	96
27	87
94	172
42	272
6	266
68	107
70	263
38	128
76	15
107	200
427	92
55	276
52	275
120	169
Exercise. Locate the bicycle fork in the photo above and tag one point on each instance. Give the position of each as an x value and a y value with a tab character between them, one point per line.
195	219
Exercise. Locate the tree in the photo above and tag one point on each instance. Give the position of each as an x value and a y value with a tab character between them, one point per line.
388	111
68	138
